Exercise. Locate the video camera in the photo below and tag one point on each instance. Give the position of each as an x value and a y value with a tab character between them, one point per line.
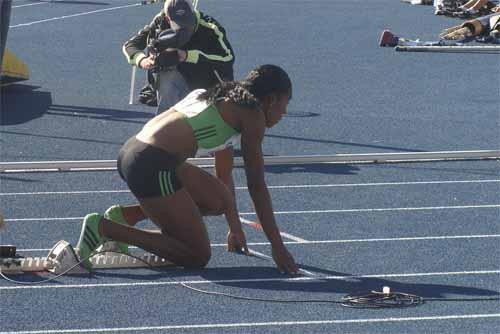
167	39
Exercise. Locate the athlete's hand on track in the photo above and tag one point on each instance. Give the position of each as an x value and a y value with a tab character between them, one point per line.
284	261
236	242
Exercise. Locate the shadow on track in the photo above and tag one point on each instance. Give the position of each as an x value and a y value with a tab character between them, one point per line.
81	139
118	115
326	141
4	177
457	171
339	169
347	284
300	114
248	280
22	103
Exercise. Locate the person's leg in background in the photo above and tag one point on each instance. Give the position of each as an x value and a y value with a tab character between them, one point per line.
171	88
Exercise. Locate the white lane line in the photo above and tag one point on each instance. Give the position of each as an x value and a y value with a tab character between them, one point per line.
343	241
376	184
269	258
31	4
338	185
42	219
423	208
73	15
486	206
445	237
259	227
249	280
292	237
77	192
262	324
260	255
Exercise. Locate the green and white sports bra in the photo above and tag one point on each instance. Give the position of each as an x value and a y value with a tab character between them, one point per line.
212	133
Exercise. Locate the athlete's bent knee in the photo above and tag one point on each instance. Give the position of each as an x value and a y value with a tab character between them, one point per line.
199	260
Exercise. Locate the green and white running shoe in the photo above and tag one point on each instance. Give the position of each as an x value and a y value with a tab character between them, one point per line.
115	214
89	238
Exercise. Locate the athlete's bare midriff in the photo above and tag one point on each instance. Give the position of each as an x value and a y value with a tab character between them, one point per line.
170	132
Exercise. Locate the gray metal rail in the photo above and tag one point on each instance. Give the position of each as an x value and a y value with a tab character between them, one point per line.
99	165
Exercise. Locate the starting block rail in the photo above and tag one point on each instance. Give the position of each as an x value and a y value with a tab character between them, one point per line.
15	266
400	157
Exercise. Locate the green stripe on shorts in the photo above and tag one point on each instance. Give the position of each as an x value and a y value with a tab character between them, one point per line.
166	186
162	187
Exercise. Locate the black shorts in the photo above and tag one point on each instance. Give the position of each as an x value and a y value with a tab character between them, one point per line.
148	170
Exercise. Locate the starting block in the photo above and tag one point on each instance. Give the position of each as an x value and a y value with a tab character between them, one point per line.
63	257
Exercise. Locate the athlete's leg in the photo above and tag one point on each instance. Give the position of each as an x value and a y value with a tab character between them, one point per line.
208	192
152	175
126	214
183	239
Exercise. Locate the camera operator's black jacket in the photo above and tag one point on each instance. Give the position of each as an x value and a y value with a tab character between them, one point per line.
207	50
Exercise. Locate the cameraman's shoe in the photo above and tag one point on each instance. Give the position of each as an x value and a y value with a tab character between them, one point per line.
148	97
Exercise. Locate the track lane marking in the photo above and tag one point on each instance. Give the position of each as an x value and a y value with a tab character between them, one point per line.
263	324
337	185
249	280
342	241
72	15
423	208
30	4
258	227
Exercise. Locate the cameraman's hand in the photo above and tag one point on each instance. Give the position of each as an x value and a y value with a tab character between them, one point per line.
147	63
182	55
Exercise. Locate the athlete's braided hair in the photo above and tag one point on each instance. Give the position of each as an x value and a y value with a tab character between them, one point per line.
234	91
263	81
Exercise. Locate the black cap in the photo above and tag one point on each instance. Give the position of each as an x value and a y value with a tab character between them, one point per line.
180	13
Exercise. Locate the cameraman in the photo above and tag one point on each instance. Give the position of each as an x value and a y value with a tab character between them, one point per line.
186	50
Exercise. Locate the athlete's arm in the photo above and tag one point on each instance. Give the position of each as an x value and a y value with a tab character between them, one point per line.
224	167
224	161
253	128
